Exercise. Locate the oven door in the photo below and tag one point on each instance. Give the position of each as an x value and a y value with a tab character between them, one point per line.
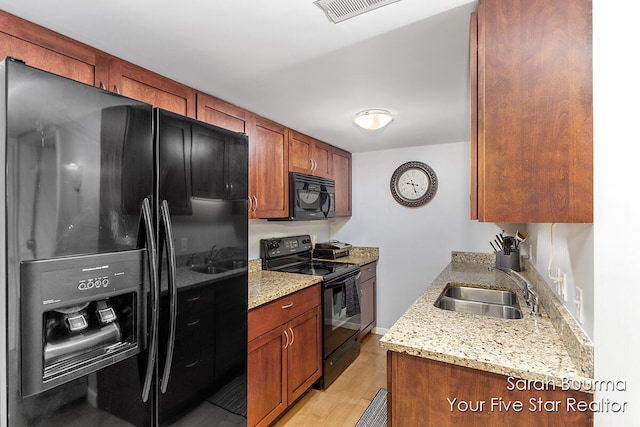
341	311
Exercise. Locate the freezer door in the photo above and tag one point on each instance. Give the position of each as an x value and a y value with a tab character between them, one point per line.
78	165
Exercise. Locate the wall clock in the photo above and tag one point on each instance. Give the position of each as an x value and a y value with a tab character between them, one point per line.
414	184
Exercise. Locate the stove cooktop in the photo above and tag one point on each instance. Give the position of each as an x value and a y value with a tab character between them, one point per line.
293	255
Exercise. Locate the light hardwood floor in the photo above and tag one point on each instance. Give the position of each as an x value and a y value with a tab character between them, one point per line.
344	401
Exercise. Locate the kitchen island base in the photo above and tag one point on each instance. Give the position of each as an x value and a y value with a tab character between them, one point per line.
427	393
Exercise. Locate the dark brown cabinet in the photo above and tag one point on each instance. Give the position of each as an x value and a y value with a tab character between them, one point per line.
308	155
141	84
532	111
268	174
49	51
285	353
341	173
421	391
220	113
367	298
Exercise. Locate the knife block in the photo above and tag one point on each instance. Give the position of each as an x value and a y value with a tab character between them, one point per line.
511	261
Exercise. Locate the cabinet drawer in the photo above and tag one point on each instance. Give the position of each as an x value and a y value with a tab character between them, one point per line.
368	271
266	317
196	300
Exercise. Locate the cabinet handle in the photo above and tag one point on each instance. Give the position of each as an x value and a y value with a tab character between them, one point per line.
250	204
102	86
288	305
192	299
192	364
293	337
193	322
117	89
287	337
255	203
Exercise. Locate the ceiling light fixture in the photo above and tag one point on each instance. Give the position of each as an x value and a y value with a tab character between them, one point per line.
373	119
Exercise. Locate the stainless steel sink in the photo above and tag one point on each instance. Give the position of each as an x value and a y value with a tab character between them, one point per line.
491	296
480	301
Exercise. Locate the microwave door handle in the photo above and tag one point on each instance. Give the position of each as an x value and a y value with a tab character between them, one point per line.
328	196
173	294
154	296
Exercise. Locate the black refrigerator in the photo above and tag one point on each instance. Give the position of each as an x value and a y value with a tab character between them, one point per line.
124	297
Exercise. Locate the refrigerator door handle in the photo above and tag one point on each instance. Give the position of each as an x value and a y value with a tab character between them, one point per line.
155	297
173	293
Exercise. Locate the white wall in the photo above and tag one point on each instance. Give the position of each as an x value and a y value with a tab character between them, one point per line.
568	247
415	243
617	205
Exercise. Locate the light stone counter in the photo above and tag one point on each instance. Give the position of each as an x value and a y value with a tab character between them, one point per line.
528	348
266	286
360	255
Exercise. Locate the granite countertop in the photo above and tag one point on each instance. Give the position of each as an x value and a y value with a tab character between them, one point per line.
360	255
266	286
528	348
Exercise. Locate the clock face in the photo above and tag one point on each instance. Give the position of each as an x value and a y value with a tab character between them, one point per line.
413	184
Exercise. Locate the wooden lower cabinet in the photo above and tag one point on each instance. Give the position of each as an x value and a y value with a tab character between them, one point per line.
422	392
367	298
284	361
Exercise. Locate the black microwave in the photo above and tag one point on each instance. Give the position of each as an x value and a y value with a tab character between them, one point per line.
311	197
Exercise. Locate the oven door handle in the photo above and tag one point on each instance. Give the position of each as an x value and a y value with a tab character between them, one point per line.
342	281
154	296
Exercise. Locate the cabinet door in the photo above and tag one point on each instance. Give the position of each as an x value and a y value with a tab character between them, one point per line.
341	173
144	85
208	165
535	111
305	352
321	155
175	166
308	155
217	112
268	174
266	374
367	306
47	50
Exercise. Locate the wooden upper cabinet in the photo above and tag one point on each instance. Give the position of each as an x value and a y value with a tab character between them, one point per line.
220	113
136	82
534	112
308	155
47	50
341	173
268	174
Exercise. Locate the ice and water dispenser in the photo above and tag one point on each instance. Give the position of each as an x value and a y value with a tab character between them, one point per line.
80	314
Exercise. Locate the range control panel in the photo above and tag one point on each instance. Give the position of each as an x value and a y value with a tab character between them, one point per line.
284	246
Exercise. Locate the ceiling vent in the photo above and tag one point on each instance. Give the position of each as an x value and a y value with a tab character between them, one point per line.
340	10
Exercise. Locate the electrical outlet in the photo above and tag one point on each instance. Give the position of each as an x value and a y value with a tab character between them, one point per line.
184	247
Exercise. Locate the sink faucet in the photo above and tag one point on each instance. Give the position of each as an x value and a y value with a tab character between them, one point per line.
527	289
213	255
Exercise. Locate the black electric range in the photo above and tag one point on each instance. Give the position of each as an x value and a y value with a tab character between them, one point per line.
340	298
